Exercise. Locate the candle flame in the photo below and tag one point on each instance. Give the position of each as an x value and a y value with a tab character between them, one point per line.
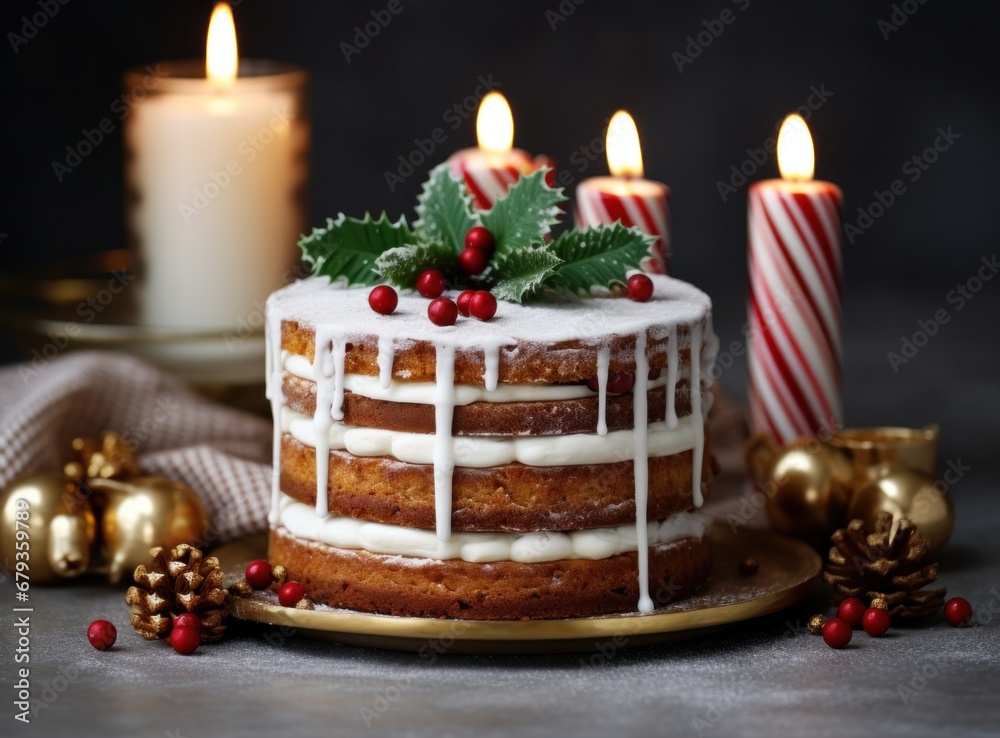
221	56
624	152
796	159
495	124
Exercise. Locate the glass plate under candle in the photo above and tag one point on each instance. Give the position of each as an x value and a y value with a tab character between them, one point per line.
787	572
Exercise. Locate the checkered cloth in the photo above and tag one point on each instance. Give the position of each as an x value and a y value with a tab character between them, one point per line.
223	454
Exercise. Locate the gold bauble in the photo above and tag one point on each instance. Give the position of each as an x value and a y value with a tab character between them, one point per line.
143	513
907	494
60	531
808	486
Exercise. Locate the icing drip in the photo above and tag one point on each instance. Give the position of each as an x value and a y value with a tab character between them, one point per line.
444	456
697	421
603	360
640	413
339	354
323	417
386	354
491	363
273	392
672	359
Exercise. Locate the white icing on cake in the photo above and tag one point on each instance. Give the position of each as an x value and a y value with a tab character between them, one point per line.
539	546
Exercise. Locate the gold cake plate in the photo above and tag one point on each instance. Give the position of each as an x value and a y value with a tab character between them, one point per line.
787	572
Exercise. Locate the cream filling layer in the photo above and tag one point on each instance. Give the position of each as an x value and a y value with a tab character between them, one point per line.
529	548
480	452
422	393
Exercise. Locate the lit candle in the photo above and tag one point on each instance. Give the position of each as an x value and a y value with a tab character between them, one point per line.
626	196
216	171
491	168
795	312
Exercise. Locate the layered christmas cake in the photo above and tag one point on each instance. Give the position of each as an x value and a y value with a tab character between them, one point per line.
543	461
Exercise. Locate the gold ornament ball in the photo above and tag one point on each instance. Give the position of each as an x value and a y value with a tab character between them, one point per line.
907	494
142	513
58	528
808	488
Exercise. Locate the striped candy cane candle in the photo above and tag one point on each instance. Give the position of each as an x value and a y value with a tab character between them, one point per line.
495	165
794	307
625	196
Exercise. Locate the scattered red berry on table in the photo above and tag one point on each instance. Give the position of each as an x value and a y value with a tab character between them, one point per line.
430	283
185	640
958	612
187	620
259	574
837	632
102	634
442	311
852	610
463	302
639	288
479	238
472	261
875	621
383	299
290	594
482	305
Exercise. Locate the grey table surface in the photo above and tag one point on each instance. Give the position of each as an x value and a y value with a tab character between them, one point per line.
765	677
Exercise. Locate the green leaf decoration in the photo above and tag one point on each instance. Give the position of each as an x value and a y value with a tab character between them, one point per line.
402	265
521	273
348	247
444	209
525	214
597	257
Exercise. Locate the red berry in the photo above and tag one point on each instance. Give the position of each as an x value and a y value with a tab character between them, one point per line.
837	632
639	288
483	305
617	383
875	621
852	610
479	238
430	283
290	594
185	640
259	574
472	261
102	634
187	620
958	612
442	311
463	302
654	374
383	299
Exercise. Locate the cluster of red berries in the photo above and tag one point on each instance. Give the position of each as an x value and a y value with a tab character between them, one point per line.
260	575
875	621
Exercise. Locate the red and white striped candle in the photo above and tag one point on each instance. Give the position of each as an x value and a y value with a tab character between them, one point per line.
626	196
794	357
490	169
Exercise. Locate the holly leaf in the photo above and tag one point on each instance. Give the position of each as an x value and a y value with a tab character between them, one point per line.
444	209
597	257
525	214
522	272
401	265
348	247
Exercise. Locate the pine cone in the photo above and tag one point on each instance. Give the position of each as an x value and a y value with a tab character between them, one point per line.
869	565
178	583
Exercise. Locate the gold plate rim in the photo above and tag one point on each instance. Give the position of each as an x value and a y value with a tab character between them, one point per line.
679	620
